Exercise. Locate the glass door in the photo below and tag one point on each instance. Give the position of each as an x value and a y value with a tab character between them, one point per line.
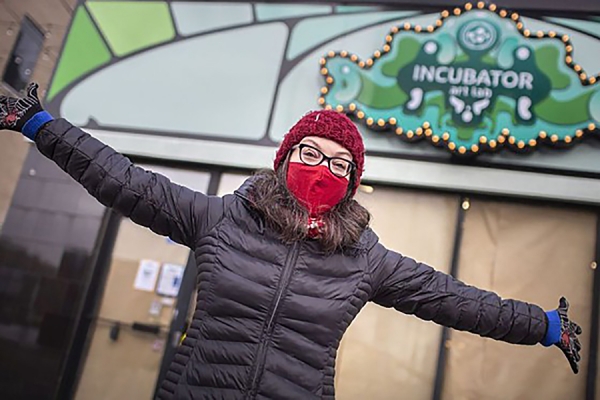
130	331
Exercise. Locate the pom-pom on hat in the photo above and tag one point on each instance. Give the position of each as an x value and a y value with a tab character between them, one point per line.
331	125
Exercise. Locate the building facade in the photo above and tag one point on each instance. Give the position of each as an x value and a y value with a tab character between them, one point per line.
479	121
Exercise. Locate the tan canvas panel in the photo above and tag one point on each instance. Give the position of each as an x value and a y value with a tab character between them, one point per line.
386	354
532	253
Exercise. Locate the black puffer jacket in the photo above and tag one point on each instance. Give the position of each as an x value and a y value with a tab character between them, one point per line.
269	317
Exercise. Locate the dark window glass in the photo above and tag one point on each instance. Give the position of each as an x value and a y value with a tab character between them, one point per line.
24	55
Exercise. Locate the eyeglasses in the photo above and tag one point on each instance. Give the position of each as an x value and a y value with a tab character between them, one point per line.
338	166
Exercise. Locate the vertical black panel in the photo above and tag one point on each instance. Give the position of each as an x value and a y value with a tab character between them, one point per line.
463	206
47	245
89	304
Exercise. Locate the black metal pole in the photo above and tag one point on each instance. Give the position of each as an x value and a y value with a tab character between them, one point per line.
592	370
463	206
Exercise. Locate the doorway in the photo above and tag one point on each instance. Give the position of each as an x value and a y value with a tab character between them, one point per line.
129	334
534	253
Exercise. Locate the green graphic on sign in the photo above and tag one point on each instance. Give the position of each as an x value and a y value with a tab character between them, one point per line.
476	80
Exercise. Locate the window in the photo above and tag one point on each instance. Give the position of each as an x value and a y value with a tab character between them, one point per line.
24	55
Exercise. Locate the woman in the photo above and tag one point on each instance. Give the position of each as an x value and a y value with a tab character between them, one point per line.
284	264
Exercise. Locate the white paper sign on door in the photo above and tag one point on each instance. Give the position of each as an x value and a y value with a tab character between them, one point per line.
146	276
170	279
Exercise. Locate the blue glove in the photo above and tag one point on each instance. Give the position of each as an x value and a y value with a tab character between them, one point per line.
563	333
24	114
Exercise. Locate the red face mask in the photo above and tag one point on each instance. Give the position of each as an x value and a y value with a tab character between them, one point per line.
316	188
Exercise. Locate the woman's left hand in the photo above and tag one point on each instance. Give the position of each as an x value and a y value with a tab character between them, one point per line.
569	331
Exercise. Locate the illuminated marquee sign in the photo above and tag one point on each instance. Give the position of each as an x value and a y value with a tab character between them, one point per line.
476	80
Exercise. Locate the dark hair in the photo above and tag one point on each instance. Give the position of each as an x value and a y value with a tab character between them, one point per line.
343	225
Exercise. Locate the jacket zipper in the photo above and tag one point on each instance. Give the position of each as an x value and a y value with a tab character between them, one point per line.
284	282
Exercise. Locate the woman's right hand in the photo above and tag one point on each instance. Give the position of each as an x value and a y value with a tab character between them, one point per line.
23	114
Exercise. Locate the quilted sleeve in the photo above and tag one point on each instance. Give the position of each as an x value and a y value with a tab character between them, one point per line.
415	288
148	198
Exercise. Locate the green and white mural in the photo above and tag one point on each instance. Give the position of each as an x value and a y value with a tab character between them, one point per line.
221	83
477	79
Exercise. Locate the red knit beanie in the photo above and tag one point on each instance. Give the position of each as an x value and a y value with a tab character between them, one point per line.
331	125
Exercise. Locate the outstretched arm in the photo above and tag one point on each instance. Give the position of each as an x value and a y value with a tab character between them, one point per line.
148	198
415	288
